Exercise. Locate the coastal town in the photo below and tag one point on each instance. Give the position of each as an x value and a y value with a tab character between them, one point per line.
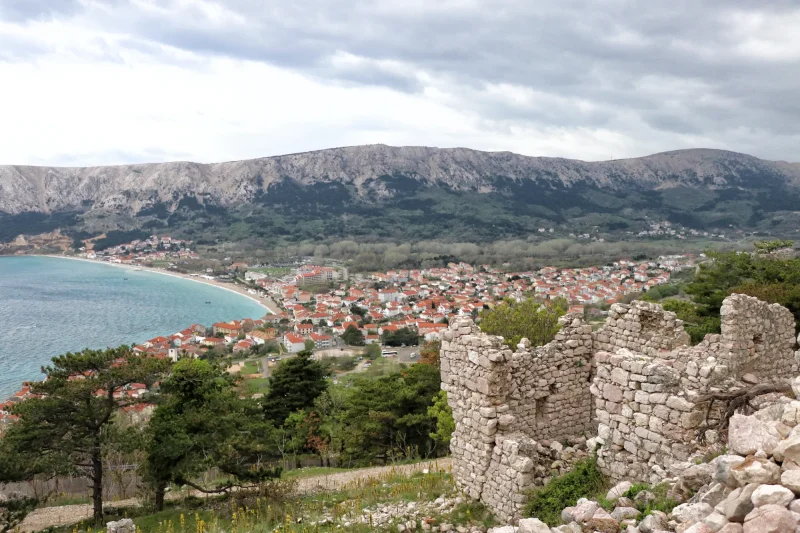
312	306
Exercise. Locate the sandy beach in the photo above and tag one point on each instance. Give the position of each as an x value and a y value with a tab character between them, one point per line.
267	303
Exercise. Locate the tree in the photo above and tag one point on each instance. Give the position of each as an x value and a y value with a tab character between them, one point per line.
767	247
403	336
531	319
387	418
353	336
441	412
309	345
64	429
373	351
294	385
429	353
202	423
695	324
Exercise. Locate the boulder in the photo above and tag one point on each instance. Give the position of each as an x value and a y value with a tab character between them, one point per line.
788	449
653	523
644	497
711	494
756	470
748	434
503	529
696	476
699	527
715	521
619	490
691	513
770	519
725	463
625	502
602	522
532	525
122	526
731	527
625	513
772	495
568	515
584	511
738	504
796	381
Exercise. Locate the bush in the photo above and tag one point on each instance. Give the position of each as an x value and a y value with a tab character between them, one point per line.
583	481
661	503
537	321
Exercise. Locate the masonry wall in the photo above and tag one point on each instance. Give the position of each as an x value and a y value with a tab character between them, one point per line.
520	414
507	407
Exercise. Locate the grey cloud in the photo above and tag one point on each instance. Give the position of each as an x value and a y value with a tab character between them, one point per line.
579	50
22	10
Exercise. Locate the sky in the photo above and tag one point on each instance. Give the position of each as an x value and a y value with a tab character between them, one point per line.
92	82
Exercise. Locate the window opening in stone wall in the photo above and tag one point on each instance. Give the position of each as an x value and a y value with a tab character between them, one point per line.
649	321
756	345
541	406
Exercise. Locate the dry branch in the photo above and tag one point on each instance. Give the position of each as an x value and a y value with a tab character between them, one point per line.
737	401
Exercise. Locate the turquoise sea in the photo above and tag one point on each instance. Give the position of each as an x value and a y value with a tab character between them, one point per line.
49	306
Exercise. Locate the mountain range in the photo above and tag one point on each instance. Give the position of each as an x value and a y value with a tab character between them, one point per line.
380	192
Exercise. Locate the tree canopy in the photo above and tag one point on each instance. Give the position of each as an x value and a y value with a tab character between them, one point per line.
531	319
294	385
353	336
202	423
62	429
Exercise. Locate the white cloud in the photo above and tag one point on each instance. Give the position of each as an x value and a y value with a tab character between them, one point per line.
114	81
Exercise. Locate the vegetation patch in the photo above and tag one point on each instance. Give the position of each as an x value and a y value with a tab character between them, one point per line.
584	481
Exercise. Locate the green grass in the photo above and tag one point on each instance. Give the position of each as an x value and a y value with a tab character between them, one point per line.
280	512
257	385
584	481
250	367
661	503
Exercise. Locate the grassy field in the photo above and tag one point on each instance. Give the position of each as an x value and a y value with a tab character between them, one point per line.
349	509
257	385
250	367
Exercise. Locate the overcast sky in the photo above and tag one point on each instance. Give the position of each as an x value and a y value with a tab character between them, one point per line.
86	82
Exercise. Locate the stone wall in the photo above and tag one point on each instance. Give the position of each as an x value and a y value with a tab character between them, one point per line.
501	400
632	383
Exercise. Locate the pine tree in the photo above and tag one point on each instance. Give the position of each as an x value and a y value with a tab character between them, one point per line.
294	385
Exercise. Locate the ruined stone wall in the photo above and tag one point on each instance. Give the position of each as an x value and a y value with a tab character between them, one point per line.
549	395
635	380
759	338
645	421
642	327
507	407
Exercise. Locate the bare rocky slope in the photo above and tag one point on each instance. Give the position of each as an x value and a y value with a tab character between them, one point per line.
131	187
401	193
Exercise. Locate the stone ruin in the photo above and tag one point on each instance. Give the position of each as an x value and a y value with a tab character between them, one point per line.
626	391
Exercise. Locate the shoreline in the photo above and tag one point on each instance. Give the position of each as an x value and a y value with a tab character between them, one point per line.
269	306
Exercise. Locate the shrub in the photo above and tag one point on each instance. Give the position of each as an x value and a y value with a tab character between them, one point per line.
584	480
661	503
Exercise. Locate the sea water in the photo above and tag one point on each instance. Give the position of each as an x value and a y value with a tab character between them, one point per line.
50	306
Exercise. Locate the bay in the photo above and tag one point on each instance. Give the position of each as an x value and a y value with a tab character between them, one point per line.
50	306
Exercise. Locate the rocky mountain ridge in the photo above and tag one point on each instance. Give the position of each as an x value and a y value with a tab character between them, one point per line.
131	188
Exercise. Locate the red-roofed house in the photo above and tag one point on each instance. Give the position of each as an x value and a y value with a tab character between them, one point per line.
294	343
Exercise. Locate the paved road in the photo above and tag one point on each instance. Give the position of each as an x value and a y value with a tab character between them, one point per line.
66	515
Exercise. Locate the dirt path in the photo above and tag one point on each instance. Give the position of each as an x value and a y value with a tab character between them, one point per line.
71	514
